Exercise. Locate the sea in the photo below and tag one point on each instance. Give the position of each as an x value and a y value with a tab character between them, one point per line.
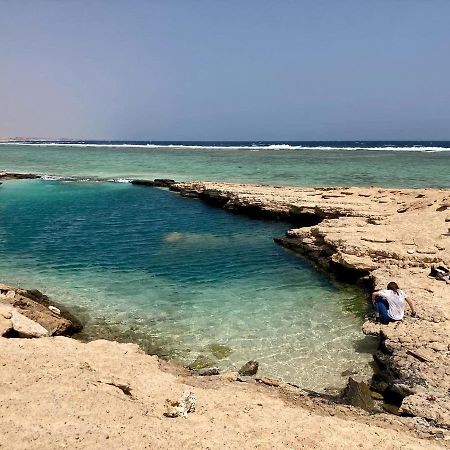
189	282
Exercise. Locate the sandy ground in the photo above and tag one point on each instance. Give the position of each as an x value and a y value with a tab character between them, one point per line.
56	392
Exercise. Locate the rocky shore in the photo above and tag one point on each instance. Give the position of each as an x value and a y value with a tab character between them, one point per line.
371	236
108	393
30	314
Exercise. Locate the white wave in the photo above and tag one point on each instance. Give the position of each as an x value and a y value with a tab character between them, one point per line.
119	180
52	177
252	147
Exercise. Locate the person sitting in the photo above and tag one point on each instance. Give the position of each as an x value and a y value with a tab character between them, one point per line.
390	303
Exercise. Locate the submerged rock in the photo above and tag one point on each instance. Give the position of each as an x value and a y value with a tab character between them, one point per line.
201	362
357	393
209	371
249	368
220	351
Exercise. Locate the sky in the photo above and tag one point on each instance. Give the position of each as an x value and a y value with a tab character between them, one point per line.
225	70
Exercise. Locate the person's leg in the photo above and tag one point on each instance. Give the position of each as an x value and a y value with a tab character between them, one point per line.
383	312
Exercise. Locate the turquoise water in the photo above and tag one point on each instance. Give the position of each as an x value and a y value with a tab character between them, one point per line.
409	166
176	276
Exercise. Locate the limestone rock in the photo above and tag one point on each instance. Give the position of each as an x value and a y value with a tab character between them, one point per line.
181	408
5	326
23	326
36	307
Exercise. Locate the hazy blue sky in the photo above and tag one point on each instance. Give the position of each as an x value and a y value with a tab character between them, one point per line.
225	70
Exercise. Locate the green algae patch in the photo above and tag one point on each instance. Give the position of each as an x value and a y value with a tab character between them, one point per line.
220	351
201	362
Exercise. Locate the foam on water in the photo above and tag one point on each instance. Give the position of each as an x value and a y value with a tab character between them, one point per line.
252	147
181	278
329	164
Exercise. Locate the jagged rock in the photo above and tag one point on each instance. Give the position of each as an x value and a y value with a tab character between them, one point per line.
36	306
357	393
395	393
249	368
158	182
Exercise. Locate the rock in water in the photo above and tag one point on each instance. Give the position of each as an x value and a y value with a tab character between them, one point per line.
357	393
249	369
201	362
209	371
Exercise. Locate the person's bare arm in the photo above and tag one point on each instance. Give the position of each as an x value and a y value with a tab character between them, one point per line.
374	297
411	305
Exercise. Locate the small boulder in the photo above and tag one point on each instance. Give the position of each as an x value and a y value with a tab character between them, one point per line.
357	393
249	369
181	408
27	328
23	326
209	371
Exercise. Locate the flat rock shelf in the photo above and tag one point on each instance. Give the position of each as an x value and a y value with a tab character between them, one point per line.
372	236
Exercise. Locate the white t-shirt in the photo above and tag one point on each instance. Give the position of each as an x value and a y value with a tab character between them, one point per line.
396	302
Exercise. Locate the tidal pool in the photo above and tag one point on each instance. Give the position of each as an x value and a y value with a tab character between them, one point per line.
182	279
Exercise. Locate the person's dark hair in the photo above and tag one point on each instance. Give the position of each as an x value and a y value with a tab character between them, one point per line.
393	286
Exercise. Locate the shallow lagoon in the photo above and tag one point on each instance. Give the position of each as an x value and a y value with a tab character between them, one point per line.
181	278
